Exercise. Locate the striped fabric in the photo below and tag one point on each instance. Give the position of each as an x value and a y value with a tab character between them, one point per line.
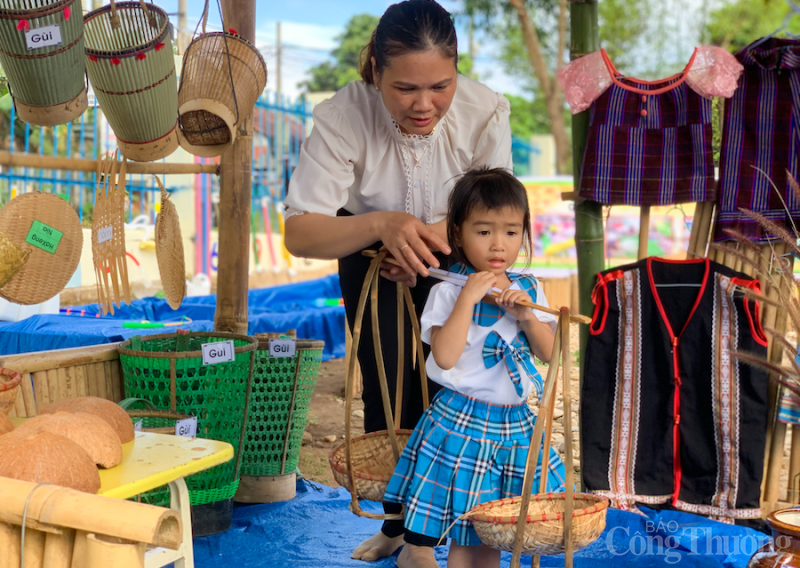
462	453
649	149
761	130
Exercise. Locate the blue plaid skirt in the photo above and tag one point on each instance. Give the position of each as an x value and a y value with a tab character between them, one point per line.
464	452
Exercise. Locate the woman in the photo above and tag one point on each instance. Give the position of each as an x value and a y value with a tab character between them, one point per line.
377	171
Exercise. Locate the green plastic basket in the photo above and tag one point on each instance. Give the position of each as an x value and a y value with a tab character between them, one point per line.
281	392
167	370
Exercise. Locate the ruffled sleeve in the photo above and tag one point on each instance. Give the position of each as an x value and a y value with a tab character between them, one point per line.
324	171
584	80
438	308
493	149
714	72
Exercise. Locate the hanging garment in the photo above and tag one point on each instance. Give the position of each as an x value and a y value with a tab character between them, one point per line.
649	143
760	141
668	415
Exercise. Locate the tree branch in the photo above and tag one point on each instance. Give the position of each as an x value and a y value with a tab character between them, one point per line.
562	33
534	47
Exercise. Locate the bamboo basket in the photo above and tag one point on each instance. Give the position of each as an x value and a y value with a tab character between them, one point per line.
12	259
9	385
365	464
46	272
130	63
47	82
154	420
169	251
222	77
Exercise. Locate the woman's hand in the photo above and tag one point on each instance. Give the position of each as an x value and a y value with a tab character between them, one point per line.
510	300
411	243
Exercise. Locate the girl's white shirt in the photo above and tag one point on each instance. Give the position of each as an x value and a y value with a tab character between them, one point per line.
469	376
356	158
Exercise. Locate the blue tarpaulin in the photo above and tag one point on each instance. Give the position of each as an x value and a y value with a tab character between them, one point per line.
317	529
274	309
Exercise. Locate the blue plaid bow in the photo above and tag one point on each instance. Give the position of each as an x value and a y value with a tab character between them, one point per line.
496	349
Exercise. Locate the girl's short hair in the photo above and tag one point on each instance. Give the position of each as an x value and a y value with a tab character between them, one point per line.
405	27
484	188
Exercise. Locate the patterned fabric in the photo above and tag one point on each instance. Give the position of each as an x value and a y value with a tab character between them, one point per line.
486	314
761	141
516	355
675	418
649	143
465	452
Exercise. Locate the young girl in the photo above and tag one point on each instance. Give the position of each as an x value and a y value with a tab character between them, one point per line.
472	443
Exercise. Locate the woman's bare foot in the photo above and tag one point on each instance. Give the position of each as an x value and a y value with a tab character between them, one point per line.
377	546
413	556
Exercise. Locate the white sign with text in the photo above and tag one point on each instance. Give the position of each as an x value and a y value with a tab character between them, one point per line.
105	234
282	347
47	36
218	352
186	427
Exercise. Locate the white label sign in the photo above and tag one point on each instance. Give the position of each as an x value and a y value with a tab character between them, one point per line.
219	352
137	426
105	234
47	36
282	348
187	427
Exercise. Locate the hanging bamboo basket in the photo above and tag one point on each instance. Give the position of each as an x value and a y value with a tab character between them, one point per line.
222	77
364	465
47	82
131	67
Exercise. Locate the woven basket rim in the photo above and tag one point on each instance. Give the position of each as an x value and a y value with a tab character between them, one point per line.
135	49
165	414
123	348
263	344
601	504
34	13
230	35
14	376
339	463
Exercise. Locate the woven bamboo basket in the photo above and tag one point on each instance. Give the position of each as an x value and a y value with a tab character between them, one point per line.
169	251
12	259
132	70
9	385
47	83
155	420
222	77
544	535
46	272
365	464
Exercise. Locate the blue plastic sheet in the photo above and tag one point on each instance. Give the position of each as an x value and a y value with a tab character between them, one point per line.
274	309
317	529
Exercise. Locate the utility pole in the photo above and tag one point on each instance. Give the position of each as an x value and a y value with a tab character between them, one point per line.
183	32
236	189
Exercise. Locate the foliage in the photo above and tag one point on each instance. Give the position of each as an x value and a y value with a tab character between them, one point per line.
333	75
738	23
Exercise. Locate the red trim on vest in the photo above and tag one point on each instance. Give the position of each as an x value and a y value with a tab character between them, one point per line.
602	281
676	404
755	318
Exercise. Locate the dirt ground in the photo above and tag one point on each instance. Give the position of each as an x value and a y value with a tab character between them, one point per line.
325	427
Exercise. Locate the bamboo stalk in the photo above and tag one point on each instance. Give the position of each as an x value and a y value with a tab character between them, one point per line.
103	551
570	473
644	230
699	210
22	160
58	549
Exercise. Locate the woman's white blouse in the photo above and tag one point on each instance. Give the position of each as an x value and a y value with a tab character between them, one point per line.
357	159
470	376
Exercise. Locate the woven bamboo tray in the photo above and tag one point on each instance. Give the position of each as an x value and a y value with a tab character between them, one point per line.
544	531
9	385
47	83
222	77
44	274
132	70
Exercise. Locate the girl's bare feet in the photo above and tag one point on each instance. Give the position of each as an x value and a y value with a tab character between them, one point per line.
377	546
413	556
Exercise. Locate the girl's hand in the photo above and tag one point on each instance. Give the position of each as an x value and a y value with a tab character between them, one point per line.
410	242
478	284
509	301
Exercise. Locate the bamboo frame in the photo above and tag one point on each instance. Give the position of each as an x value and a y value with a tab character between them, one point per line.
21	160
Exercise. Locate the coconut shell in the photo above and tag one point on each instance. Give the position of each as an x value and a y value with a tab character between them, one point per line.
48	457
5	424
90	432
116	417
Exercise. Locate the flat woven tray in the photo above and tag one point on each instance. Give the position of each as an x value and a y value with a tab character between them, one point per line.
44	274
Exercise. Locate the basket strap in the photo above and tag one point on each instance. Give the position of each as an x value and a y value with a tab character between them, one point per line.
417	335
115	23
350	377
398	395
124	404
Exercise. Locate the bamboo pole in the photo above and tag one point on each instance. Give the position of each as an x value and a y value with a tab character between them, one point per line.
58	549
103	551
644	230
51	507
589	233
21	160
235	196
570	473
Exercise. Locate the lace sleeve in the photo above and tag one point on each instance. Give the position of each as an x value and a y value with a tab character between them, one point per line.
584	80
714	72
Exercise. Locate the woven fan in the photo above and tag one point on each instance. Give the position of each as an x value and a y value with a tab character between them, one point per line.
169	251
108	235
12	258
